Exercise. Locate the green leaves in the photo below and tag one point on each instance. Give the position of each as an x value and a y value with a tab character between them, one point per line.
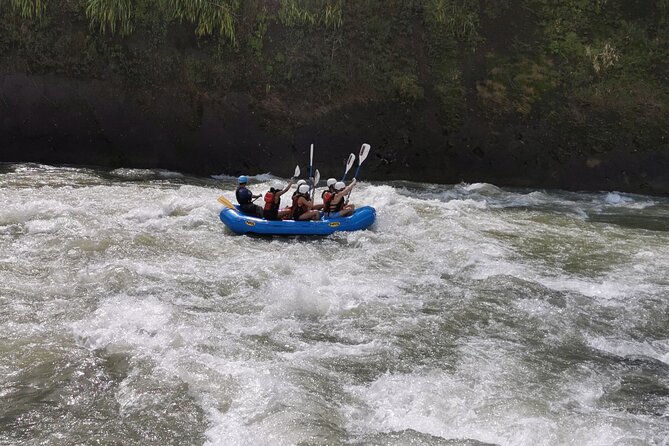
209	16
310	13
406	86
27	9
110	15
460	18
332	17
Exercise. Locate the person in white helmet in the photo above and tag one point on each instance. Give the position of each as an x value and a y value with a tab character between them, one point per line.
303	205
287	212
337	206
298	184
328	194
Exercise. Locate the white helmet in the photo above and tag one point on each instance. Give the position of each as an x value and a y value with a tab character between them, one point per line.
339	185
303	189
331	181
301	182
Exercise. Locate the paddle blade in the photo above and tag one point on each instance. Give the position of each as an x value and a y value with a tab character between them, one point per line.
224	201
364	151
297	172
317	178
349	163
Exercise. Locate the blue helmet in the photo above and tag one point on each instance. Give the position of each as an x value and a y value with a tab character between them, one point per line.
243	179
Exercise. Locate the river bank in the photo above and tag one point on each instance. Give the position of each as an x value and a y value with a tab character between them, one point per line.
525	94
60	121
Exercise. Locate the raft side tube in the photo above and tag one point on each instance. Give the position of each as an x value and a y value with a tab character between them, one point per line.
239	223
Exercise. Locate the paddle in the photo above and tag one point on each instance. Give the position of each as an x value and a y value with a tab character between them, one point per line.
311	161
364	151
224	201
317	178
295	175
349	164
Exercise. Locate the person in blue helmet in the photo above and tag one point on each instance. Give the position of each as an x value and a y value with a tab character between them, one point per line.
245	199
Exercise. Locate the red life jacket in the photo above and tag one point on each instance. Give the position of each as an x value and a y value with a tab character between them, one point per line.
331	207
269	201
327	197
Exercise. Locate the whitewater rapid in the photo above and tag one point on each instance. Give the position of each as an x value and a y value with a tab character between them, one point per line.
468	314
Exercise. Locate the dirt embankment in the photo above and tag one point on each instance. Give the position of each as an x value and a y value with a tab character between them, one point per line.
509	101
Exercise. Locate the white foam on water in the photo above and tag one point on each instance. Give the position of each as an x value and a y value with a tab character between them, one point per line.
657	349
45	226
302	300
32	209
482	187
144	214
134	174
126	324
260	177
169	174
457	405
613	198
260	331
617	199
451	407
262	417
610	292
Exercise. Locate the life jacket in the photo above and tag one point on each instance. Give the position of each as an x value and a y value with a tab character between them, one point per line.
332	207
271	209
269	201
243	195
327	197
296	208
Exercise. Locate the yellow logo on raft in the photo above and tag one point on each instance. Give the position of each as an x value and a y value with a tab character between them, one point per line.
334	224
250	223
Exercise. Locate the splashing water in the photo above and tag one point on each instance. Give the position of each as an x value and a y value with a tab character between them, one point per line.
468	314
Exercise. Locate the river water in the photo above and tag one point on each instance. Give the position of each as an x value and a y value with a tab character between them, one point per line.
467	315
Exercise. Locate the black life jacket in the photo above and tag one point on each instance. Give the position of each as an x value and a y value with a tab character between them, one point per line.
332	207
244	196
299	210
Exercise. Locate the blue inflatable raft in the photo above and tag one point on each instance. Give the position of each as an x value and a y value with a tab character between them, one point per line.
243	224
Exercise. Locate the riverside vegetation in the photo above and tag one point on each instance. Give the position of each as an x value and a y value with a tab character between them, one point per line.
556	93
